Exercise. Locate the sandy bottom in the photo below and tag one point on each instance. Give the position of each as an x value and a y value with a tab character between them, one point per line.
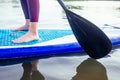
71	68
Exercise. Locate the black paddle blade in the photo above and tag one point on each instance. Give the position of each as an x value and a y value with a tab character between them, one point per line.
94	41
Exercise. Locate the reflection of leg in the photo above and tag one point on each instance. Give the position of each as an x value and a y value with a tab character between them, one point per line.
27	67
33	7
31	71
26	14
36	75
35	65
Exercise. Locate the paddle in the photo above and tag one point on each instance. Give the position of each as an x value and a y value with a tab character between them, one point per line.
95	43
112	26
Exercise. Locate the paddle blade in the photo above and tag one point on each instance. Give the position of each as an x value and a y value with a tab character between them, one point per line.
94	41
90	37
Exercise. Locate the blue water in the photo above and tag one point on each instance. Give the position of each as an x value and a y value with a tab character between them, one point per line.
53	17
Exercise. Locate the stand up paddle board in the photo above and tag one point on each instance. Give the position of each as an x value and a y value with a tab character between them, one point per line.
52	42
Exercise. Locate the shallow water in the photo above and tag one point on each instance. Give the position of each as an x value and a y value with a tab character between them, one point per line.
64	68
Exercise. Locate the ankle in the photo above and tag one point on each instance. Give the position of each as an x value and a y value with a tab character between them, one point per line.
27	22
27	25
33	33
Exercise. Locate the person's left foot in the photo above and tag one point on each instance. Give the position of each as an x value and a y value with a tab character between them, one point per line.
26	38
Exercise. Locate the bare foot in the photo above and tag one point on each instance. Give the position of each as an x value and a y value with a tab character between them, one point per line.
22	28
26	38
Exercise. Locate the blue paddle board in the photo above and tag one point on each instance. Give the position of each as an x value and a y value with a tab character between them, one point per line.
53	42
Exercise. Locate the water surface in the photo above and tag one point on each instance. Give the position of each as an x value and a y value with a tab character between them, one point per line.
52	16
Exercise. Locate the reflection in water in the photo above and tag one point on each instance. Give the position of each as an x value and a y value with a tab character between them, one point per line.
75	7
31	71
90	69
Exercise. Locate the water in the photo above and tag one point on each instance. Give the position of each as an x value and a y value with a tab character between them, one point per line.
52	16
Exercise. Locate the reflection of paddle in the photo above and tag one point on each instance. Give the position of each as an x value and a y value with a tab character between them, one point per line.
90	37
91	69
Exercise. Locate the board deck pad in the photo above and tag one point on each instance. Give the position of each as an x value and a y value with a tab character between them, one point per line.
7	35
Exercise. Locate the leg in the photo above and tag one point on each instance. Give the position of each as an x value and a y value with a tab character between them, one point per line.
26	14
33	7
